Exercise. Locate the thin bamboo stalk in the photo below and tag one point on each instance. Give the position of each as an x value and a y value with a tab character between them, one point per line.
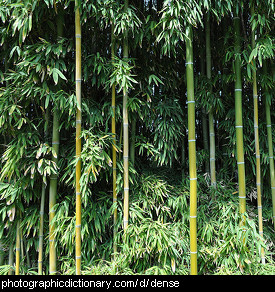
239	118
52	195
78	139
257	143
41	227
42	207
192	151
211	114
11	259
125	136
114	141
54	177
17	248
270	144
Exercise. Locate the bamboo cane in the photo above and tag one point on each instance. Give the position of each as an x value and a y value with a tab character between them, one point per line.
192	151
270	144
239	118
211	115
52	195
54	177
41	224
114	141
11	259
257	144
125	137
17	248
42	207
78	140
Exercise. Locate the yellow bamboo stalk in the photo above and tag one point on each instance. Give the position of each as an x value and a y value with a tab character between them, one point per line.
125	137
257	143
17	248
78	140
192	151
114	141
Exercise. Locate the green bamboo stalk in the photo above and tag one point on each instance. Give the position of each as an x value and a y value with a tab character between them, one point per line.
78	139
192	151
125	136
239	117
114	142
41	227
17	248
257	143
133	138
211	115
54	177
42	207
53	194
11	259
270	144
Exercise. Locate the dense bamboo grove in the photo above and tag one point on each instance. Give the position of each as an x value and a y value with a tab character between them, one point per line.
137	137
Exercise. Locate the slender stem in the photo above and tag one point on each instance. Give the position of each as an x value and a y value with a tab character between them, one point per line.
125	136
54	177
78	140
192	151
268	99
257	144
211	115
17	248
239	117
41	226
114	141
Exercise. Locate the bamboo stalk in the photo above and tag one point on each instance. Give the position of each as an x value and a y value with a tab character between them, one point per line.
78	139
41	227
257	143
42	206
270	144
125	136
192	151
239	118
17	248
54	177
52	195
11	259
211	114
114	142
